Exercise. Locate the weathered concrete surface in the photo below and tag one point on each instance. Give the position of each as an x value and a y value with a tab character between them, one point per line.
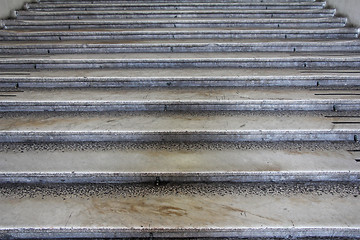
181	60
175	78
193	210
217	154
180	162
180	46
183	33
8	5
67	15
177	122
176	95
348	8
178	127
175	99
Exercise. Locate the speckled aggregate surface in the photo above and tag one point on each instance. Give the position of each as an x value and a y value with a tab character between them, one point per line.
172	207
72	172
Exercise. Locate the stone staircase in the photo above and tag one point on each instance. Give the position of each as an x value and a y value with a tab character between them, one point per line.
193	119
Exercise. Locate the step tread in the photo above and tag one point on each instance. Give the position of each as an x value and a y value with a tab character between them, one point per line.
70	5
182	30
311	23
177	24
154	1
134	14
172	20
128	163
179	73
201	56
213	77
178	12
183	33
183	60
187	33
187	95
175	122
182	42
175	210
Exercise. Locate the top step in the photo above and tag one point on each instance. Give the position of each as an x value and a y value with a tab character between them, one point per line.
153	1
173	6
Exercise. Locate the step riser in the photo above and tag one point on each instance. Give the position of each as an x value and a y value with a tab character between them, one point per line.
145	233
244	177
221	136
170	82
271	105
187	233
176	25
208	63
134	15
83	49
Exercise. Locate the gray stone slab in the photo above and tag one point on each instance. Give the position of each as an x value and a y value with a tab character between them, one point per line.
174	1
187	99
105	163
22	81
176	23
174	6
178	127
181	60
180	46
193	33
42	15
247	210
208	77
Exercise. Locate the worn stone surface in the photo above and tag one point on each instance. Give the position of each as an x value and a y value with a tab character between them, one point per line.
179	119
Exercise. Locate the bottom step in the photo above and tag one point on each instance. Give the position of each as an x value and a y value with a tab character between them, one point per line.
186	210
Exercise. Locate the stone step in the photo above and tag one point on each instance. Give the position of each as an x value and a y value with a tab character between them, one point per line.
179	46
173	6
179	119
184	33
80	15
167	1
272	126
170	162
176	23
188	99
180	210
180	60
172	78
